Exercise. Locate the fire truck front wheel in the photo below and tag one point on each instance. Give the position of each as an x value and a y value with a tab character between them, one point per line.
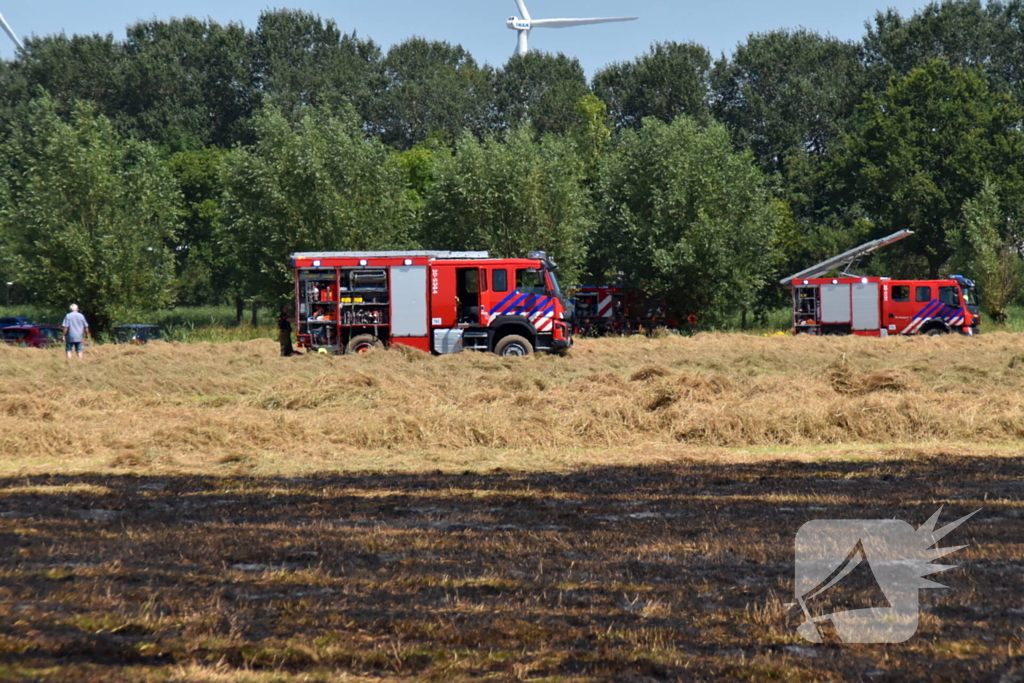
362	343
513	345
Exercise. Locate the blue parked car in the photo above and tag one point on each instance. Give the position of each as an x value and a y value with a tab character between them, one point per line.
16	320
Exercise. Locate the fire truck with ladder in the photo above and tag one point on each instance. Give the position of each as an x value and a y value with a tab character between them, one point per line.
435	301
879	306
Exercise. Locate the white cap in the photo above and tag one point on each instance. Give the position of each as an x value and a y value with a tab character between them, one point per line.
74	307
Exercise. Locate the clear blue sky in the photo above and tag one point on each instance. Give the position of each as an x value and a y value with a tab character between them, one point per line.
479	25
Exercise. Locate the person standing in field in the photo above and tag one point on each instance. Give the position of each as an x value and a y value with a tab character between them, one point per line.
284	333
76	330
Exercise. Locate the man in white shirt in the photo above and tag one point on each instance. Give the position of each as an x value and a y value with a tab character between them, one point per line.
76	330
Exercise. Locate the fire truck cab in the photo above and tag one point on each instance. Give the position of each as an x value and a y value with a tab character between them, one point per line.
435	301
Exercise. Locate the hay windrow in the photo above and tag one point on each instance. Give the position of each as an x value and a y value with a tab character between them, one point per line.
163	401
845	380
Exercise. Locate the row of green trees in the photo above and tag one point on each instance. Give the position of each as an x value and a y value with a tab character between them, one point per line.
183	164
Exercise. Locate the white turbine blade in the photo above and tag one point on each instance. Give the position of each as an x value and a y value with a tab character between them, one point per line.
522	9
522	42
7	29
565	23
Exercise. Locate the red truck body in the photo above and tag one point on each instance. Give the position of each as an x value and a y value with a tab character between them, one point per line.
439	302
617	309
600	310
879	306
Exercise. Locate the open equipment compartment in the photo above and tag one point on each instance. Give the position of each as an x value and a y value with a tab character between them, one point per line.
339	303
364	298
317	318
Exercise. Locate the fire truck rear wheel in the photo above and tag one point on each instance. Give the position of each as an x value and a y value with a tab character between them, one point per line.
362	343
513	345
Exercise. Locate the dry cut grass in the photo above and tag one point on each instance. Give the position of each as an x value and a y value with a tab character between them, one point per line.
207	407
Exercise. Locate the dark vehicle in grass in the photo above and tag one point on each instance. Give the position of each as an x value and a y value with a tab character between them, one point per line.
33	336
138	334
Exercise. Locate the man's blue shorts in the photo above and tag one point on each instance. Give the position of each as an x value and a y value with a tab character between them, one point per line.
70	346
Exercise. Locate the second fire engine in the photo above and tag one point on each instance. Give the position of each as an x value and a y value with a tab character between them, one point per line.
880	306
618	309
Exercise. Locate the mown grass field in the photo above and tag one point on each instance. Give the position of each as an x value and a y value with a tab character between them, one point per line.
216	512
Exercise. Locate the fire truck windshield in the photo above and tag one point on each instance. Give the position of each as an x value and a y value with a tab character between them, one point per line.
554	286
530	281
970	298
567	304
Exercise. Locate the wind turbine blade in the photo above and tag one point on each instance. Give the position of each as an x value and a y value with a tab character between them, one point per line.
565	23
522	42
522	9
7	29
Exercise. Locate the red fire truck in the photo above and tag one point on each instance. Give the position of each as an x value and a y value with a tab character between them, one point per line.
879	306
600	310
435	301
617	309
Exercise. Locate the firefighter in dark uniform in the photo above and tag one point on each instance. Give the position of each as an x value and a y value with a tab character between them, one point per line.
284	333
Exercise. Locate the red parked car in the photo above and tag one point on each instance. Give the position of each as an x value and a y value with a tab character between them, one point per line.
35	336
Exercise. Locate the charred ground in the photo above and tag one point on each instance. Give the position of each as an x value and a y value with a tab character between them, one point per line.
676	571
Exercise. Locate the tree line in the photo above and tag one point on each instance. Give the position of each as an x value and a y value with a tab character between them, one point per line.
182	164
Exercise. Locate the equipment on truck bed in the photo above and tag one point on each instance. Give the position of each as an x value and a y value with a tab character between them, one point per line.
435	301
879	306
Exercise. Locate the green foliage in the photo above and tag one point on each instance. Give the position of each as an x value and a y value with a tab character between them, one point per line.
186	83
787	96
180	83
360	151
824	220
986	248
510	195
418	165
428	87
300	61
592	131
205	269
87	216
962	33
669	80
315	185
925	147
689	216
539	89
787	92
68	70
